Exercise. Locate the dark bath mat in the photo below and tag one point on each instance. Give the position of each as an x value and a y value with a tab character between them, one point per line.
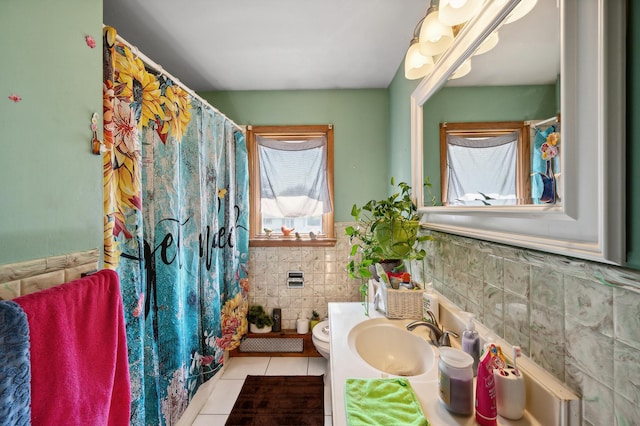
279	401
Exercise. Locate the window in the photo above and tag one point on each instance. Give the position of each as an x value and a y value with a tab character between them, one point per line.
485	163
291	185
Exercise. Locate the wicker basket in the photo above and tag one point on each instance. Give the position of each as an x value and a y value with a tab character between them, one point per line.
401	304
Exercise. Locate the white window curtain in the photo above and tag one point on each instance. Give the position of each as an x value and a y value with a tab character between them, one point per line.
482	171
293	177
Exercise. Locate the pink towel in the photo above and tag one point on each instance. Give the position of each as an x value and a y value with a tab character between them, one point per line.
79	366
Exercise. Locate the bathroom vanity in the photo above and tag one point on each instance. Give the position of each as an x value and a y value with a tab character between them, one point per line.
549	402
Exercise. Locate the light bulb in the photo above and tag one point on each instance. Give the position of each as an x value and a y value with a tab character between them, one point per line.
415	64
454	12
435	37
456	4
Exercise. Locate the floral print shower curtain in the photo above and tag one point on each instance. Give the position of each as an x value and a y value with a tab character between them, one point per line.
175	230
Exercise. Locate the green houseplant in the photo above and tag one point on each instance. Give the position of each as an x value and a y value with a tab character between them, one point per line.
315	319
259	320
386	230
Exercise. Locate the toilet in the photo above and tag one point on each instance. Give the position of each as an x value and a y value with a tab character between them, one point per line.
320	337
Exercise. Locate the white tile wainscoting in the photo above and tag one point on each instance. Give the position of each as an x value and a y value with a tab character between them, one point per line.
576	319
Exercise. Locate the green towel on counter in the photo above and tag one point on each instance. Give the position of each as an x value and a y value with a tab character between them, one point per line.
382	402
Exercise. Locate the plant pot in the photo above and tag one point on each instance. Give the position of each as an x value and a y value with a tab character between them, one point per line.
397	238
388	265
313	323
255	329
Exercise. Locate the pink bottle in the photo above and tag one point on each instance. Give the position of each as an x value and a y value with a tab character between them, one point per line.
486	408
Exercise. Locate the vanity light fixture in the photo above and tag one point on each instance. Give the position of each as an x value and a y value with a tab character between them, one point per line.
435	33
435	37
454	12
416	65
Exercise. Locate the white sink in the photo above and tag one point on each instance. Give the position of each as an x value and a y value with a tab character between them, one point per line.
387	346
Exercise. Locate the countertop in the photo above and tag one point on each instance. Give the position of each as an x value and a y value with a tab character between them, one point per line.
346	363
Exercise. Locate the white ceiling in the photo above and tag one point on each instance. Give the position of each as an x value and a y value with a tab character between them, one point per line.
300	44
528	52
271	44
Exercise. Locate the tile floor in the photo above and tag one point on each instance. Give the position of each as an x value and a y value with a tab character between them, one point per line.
219	404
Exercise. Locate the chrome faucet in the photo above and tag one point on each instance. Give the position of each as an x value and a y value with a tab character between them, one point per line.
438	336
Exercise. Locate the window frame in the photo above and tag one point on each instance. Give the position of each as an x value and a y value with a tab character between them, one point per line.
257	238
489	129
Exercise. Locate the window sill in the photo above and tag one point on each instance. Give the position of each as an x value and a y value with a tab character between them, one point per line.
291	242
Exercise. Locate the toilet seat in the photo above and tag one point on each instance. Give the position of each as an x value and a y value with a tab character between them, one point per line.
321	331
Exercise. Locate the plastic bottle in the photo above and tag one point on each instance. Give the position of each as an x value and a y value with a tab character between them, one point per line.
455	381
277	319
430	302
471	343
486	407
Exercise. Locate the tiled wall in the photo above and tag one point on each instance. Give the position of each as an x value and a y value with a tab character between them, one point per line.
579	320
325	278
18	279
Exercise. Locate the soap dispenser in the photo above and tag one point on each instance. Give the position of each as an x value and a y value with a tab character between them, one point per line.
471	342
430	302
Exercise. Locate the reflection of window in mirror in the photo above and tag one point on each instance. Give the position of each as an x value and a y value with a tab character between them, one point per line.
485	163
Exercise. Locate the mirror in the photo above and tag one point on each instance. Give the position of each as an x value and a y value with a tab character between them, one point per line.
589	222
521	77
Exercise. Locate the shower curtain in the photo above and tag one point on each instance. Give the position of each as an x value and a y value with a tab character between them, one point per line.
175	230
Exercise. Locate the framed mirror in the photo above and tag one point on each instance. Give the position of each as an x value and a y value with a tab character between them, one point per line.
588	223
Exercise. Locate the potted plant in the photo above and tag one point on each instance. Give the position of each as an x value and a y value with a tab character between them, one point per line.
259	320
315	319
386	232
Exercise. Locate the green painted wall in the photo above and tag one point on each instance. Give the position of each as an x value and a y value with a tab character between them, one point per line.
51	186
361	129
50	183
460	104
633	136
400	92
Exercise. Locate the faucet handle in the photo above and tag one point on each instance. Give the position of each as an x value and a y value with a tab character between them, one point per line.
444	339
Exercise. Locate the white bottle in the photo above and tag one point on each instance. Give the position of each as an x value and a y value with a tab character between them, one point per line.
471	343
430	302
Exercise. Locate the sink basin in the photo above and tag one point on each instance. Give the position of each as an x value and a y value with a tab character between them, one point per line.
387	346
